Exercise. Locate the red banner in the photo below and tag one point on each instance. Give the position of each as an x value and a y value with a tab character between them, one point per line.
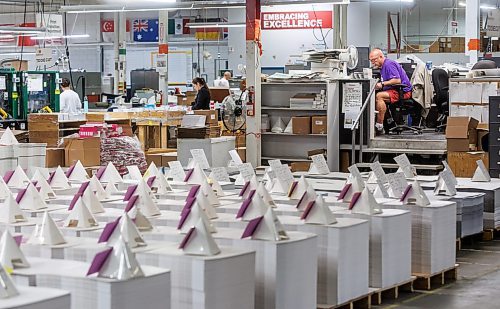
296	20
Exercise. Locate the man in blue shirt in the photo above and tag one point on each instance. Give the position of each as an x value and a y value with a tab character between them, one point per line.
391	73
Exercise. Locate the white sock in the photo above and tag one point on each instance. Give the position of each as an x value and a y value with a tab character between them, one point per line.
379	126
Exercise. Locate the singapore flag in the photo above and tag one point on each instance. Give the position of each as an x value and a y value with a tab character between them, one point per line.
108	28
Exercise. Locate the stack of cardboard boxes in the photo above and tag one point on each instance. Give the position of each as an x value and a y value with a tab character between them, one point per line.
304	125
464	137
448	45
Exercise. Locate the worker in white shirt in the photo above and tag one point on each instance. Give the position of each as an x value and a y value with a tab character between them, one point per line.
223	82
69	101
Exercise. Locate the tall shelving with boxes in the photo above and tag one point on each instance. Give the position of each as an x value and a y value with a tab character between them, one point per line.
304	103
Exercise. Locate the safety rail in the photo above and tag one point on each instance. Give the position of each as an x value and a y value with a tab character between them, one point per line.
354	128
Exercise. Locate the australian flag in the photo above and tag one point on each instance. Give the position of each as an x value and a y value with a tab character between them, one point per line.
145	30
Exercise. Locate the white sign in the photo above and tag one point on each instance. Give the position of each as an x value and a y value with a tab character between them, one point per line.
246	170
235	157
378	170
320	164
284	176
493	23
200	158
35	82
3	83
405	165
353	169
53	23
274	164
398	183
219	174
352	100
453	27
176	171
43	56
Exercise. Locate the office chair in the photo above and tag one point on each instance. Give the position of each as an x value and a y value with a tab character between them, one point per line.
397	112
440	101
484	64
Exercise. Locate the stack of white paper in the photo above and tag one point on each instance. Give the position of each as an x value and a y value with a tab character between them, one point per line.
38	298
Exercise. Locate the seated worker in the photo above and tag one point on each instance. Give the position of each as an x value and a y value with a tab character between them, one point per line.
224	81
202	100
391	73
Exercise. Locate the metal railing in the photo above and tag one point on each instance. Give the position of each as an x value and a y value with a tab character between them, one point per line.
354	128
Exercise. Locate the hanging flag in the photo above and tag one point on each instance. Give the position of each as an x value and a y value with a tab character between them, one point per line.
145	30
26	40
108	30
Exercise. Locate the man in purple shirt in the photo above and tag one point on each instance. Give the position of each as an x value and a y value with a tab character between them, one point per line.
391	73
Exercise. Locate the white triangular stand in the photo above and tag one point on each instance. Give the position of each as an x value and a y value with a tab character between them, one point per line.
4	189
199	241
134	173
147	204
264	194
308	196
442	187
80	217
313	170
197	176
11	255
141	222
372	178
205	205
380	191
121	263
415	195
7	286
240	181
42	170
317	212
249	186
298	188
270	228
90	200
366	204
289	127
110	190
481	174
47	233
253	207
10	212
191	164
8	138
19	179
45	189
110	174
217	188
356	185
210	194
30	199
161	184
151	171
192	216
126	230
59	180
96	186
77	173
277	187
278	126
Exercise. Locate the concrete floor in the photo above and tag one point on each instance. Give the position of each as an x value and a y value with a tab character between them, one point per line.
478	284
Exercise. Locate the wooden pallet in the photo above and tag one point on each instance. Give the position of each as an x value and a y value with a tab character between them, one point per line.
488	234
392	292
429	281
362	302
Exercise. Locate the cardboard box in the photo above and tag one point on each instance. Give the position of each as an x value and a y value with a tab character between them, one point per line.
212	116
434	48
154	157
461	133
54	157
318	124
242	152
17	65
87	150
301	125
464	164
300	166
168	157
482	131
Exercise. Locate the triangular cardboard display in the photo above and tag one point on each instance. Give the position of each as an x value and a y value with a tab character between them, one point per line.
405	166
58	179
141	222
298	188
80	217
415	195
353	185
202	200
45	188
77	173
110	190
278	126
42	170
191	213
264	194
91	201
8	138
319	166
151	171
444	184
7	286
267	227
210	194
249	186
122	228
47	233
195	176
277	187
217	188
96	186
117	263
11	255
109	173
17	178
380	190
145	202
317	212
481	174
134	173
364	203
450	173
289	127
10	212
191	164
30	198
252	207
160	184
308	196
4	189
239	181
199	241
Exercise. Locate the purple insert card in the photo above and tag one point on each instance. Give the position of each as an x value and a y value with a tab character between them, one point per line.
252	227
405	194
244	206
292	188
70	170
188	174
51	176
193	191
131	202
151	180
20	195
184	215
302	198
244	189
83	187
100	172
108	230
18	239
354	200
74	200
186	238
8	176
344	191
130	192
307	210
98	261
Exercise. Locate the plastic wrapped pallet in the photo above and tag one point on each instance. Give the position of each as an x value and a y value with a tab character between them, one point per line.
123	151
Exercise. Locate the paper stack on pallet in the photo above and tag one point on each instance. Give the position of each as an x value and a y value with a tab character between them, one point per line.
37	298
30	154
8	161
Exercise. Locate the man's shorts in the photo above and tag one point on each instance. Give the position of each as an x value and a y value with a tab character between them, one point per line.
394	95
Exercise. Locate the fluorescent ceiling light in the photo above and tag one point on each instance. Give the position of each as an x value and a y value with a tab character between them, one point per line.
73	36
482	6
6	36
215	25
403	1
18	54
4	29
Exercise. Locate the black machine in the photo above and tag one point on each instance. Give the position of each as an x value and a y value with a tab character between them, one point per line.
440	101
143	79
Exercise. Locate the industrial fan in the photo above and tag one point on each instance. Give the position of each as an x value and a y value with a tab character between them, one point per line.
233	115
